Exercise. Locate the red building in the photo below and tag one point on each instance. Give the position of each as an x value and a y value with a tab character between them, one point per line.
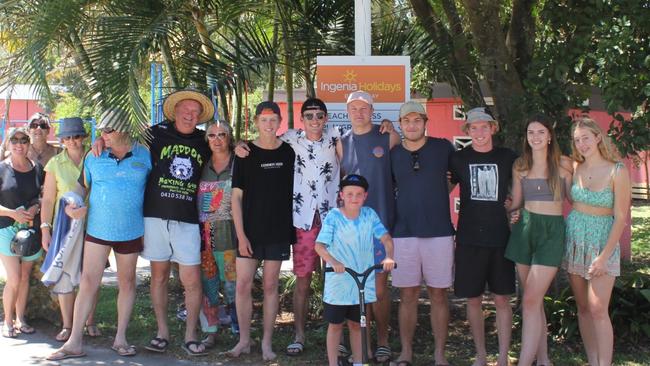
17	104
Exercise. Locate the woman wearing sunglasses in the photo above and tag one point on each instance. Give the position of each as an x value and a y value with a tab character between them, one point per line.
20	187
219	249
62	173
115	183
39	129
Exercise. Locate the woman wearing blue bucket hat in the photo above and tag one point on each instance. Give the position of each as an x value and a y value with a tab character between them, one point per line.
62	172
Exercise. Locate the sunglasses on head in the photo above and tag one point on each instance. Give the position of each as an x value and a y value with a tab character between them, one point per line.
107	130
415	157
310	116
19	140
220	135
39	124
75	137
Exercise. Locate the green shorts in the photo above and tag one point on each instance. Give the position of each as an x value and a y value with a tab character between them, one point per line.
537	239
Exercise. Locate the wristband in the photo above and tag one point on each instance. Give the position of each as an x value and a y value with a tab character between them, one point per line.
46	225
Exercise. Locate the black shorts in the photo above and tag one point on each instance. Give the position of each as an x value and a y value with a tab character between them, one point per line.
271	252
119	247
337	314
476	266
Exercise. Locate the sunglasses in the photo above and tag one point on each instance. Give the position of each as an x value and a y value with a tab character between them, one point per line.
220	135
107	130
39	124
415	158
310	116
75	137
17	140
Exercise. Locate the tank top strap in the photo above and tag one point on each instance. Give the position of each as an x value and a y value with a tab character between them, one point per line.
617	166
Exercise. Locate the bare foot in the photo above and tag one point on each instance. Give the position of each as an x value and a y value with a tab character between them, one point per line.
268	354
240	348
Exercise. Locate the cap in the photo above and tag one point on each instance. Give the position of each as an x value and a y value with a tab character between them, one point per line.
176	97
72	126
479	114
354	180
268	105
313	104
114	118
411	107
16	130
360	95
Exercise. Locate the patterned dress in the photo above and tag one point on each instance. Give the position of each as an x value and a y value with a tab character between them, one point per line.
586	235
218	252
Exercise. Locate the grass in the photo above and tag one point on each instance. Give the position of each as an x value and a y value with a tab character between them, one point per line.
459	346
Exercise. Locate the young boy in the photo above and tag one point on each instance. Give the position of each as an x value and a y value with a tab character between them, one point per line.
346	240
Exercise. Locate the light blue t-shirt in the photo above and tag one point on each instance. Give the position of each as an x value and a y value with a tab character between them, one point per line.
115	205
351	243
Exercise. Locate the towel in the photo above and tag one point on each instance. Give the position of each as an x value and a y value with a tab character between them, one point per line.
62	265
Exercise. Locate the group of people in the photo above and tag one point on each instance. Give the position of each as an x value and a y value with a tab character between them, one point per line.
365	197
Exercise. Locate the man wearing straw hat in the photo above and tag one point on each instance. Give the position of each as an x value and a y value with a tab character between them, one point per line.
178	152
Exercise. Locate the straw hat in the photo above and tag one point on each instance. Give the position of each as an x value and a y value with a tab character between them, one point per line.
176	97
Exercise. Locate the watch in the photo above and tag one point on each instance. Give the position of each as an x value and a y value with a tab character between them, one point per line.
46	225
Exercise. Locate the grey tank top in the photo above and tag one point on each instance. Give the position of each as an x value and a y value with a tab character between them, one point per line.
369	156
537	189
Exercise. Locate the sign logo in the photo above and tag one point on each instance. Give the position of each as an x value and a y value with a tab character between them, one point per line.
386	83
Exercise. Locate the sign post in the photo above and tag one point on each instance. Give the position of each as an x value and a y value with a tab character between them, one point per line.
386	78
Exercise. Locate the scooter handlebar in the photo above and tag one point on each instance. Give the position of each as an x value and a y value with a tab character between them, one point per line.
355	273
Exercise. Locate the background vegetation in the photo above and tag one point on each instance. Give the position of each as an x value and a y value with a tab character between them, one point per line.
533	55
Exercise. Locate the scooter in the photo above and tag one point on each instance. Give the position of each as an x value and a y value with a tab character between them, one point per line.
360	280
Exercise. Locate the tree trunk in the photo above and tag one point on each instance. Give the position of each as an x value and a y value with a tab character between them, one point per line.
239	103
497	65
41	304
288	77
455	45
521	34
169	62
271	89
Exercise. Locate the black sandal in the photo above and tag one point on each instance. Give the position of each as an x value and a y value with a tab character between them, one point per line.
157	344
187	348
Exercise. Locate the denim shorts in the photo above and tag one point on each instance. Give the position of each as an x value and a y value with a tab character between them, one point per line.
169	240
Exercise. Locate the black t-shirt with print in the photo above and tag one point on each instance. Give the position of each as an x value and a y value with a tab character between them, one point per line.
176	164
266	179
484	180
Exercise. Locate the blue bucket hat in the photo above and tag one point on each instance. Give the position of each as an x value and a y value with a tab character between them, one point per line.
72	126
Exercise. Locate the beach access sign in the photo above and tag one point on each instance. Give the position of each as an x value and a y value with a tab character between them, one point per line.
386	78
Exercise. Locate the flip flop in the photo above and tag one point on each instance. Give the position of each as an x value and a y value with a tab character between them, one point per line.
8	332
25	329
63	335
190	352
383	354
62	354
124	350
295	348
157	344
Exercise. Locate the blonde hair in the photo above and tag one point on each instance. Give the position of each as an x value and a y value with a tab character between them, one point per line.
465	126
553	154
605	146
